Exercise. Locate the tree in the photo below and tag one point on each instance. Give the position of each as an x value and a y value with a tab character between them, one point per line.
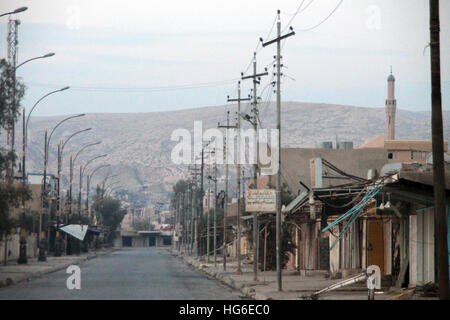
111	213
287	246
11	94
140	224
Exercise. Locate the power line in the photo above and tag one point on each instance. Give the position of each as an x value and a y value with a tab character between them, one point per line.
293	17
326	18
143	89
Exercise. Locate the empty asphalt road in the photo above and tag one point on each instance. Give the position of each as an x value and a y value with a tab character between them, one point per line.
134	273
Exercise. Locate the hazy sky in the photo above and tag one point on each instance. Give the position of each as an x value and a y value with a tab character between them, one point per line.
143	55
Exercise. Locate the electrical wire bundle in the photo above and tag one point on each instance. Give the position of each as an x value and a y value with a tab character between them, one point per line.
353	213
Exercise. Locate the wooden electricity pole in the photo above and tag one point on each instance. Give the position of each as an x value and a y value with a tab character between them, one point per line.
238	163
225	204
438	154
256	80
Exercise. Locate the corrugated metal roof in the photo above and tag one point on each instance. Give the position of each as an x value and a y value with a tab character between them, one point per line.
299	200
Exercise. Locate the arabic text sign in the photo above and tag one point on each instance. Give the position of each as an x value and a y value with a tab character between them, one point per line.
260	200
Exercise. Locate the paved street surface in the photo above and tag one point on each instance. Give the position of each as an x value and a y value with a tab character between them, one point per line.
134	273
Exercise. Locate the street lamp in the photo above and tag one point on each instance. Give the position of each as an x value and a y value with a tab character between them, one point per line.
106	179
25	130
61	146
88	184
72	164
111	190
82	169
18	10
48	55
112	183
34	106
42	256
22	257
71	136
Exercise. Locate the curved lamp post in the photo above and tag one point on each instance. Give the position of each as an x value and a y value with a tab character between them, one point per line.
106	179
82	169
48	55
61	151
110	186
61	146
72	164
42	256
25	135
25	126
70	137
18	10
111	190
88	182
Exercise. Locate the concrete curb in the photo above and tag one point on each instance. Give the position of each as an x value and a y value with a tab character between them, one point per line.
246	290
38	274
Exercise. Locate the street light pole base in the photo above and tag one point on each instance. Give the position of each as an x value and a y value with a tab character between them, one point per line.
42	256
23	251
58	245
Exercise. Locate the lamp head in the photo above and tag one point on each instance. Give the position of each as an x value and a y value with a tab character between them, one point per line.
21	9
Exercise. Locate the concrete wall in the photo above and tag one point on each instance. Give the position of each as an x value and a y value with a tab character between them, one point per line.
13	246
421	247
295	164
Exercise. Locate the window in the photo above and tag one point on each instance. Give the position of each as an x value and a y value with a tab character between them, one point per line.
390	155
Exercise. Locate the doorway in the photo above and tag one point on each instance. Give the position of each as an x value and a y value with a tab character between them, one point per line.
375	243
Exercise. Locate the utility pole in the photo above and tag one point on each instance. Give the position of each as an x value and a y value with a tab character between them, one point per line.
438	154
23	235
42	241
238	163
184	211
79	195
70	187
179	202
208	200
193	220
277	40
58	209
225	204
256	80
215	213
202	168
175	222
195	207
12	38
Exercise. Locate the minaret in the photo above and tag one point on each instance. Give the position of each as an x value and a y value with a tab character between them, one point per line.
391	105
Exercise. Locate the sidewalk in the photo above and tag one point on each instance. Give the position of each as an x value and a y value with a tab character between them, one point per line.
294	285
14	273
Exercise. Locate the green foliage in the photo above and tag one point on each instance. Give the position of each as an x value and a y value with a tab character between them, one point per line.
10	196
287	246
9	104
10	97
111	213
142	225
25	221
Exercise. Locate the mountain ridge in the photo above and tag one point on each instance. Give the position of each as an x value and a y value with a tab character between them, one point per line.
139	144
